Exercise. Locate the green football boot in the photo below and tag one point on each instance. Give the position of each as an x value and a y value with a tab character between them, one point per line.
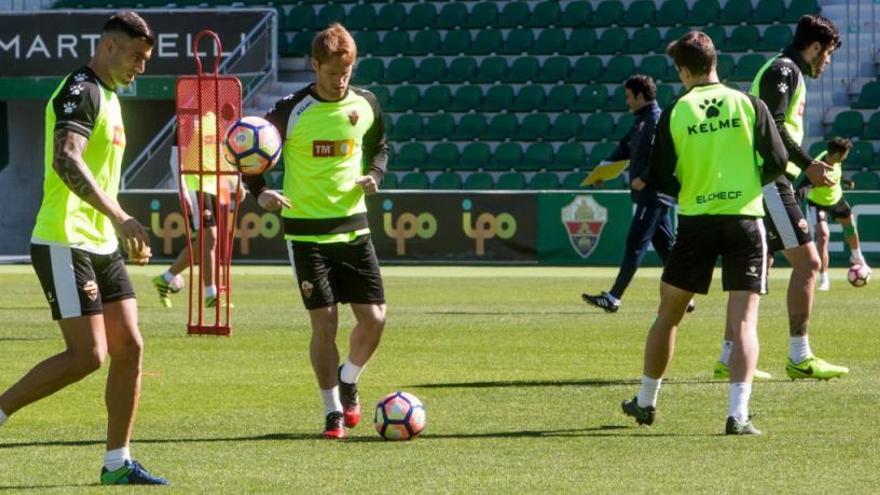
164	289
815	368
734	427
722	372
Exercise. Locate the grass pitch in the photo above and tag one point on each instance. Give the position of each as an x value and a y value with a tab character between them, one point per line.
522	383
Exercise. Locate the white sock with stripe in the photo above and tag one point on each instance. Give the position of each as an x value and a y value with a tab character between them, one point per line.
738	407
649	391
799	349
115	459
331	400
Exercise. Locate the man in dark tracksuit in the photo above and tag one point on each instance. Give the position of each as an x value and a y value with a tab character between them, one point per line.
651	222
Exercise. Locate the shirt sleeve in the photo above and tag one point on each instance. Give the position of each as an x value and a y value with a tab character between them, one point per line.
768	143
777	87
646	144
76	107
375	143
661	167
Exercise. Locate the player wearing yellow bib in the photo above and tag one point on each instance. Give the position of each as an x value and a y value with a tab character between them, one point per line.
332	134
74	249
829	201
714	148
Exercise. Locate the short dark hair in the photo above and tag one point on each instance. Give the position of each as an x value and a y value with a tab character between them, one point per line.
128	22
839	146
640	84
693	51
815	28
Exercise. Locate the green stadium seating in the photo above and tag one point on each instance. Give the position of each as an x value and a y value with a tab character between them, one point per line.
725	66
619	68
404	98
299	18
438	126
383	96
665	95
615	184
501	127
617	102
866	181
513	15
456	42
672	13
644	40
554	70
482	14
523	70
474	156
466	98
491	70
361	16
424	42
768	11
598	126
534	126
393	43
328	15
452	15
507	156
529	98
848	124
443	156
704	12
576	13
297	44
869	97
861	155
736	12
743	38
612	40
798	8
421	15
544	14
747	66
817	147
640	13
430	69
656	66
390	16
435	98
608	13
538	156
407	127
570	156
586	69
718	35
414	180
367	42
549	41
471	126
497	99
518	41
566	126
478	181
624	124
872	130
486	42
592	97
580	41
775	38
599	152
573	180
447	180
561	98
410	156
543	181
511	181
673	34
369	70
461	70
389	181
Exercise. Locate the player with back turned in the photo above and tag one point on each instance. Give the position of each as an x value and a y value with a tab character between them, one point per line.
334	151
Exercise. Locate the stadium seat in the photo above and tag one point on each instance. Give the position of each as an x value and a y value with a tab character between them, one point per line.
534	126
511	181
513	15
798	8
704	12
544	181
617	102
466	98
498	98
736	12
549	42
369	70
404	98
591	98
438	127
300	17
523	70
619	68
768	11
390	16
518	41
599	152
718	35
443	156
367	42
866	181
389	181
529	98
608	13
561	98
393	43
447	180
298	44
452	15
554	70
580	41
478	181
430	69
491	70
414	180
328	15
576	13
869	97
725	66
743	38
501	127
615	184
573	180
435	98
775	38
507	156
624	124
544	14
656	66
640	13
474	156
538	156
872	130
407	127
665	95
673	34
425	42
817	147
383	96
586	69
482	14
570	156
461	70
748	66
456	42
410	156
861	155
470	127
612	40
487	42
566	126
848	124
360	17
644	40
421	15
672	13
598	126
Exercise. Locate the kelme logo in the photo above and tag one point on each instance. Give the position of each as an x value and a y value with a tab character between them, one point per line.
584	220
487	226
407	226
712	107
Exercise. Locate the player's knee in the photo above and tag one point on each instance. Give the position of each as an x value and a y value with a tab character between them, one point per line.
131	350
87	362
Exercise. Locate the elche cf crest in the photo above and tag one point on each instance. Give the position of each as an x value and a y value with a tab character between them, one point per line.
584	219
353	117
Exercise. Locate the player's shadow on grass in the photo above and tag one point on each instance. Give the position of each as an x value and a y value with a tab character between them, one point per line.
503	313
558	383
45	487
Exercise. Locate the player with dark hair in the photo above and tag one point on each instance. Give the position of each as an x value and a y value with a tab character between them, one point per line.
780	85
74	249
335	152
706	153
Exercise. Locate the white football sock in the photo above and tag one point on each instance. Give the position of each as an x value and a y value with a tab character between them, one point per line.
649	391
739	401
726	347
168	276
3	417
331	400
210	291
856	256
350	373
799	349
115	459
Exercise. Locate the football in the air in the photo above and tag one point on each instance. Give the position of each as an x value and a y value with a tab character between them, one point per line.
859	275
399	416
252	144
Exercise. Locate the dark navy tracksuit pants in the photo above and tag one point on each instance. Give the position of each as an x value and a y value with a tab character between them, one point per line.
651	224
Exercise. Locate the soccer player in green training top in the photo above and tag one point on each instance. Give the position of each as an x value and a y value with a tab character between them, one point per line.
825	201
780	84
332	133
706	153
74	249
